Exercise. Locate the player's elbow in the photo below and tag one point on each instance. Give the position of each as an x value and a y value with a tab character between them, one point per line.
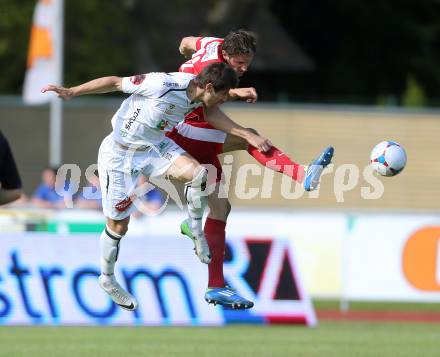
184	43
116	82
187	46
182	46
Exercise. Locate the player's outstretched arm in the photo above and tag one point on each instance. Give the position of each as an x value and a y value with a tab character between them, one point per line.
188	46
95	86
248	94
221	121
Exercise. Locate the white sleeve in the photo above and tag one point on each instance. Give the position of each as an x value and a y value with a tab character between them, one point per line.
146	85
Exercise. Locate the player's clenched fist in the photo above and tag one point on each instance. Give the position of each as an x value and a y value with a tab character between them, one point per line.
248	94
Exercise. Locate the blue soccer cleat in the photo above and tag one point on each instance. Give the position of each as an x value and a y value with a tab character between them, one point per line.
227	297
315	169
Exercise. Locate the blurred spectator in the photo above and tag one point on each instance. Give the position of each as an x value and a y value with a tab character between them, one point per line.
45	196
152	201
90	196
10	182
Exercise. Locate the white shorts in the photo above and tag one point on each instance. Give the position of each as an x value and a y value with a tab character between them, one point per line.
119	170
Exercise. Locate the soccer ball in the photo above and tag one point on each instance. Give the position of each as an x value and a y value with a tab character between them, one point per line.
388	158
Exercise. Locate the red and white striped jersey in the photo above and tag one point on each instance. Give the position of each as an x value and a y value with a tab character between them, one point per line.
209	50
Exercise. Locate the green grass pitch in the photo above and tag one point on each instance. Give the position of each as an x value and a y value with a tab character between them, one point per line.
328	339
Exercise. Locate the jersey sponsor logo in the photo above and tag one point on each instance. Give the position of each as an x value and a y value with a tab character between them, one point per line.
211	52
138	79
170	84
168	156
132	119
124	204
162	145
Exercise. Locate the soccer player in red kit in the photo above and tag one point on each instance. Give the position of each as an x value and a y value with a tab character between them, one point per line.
201	140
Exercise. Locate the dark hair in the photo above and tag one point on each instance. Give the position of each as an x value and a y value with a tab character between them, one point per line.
240	42
219	74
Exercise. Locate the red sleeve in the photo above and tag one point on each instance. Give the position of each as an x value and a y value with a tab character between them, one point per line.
199	43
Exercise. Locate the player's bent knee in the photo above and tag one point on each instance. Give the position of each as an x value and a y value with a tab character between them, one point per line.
119	227
200	177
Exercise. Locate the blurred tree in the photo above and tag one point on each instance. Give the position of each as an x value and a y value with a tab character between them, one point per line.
365	48
15	22
361	51
98	39
414	95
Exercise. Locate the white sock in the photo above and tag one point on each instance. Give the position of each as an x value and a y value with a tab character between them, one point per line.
109	245
196	201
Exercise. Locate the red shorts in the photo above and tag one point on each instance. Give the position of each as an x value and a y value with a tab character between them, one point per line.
205	152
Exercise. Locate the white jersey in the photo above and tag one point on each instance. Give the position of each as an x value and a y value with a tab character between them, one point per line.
158	102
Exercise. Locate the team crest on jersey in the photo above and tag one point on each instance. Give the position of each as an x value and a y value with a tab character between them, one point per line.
138	79
162	124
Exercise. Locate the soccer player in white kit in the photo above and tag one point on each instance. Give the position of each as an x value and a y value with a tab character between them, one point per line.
137	145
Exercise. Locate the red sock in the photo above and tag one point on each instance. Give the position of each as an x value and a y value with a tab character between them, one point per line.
215	235
276	160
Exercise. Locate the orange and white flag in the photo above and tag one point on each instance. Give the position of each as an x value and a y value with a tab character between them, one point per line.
44	61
